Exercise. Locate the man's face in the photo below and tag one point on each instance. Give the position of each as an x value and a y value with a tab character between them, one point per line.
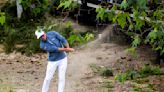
43	37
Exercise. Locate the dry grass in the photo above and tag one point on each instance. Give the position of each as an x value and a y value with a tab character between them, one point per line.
6	88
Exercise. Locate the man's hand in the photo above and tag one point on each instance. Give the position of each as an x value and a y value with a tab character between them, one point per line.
70	49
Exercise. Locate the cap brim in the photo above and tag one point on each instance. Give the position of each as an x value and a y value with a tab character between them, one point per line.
39	37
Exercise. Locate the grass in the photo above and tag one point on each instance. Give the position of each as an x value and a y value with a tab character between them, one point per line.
6	88
146	71
150	70
103	71
141	81
140	89
107	84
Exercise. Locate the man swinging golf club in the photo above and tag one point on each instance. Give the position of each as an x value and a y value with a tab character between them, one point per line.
56	46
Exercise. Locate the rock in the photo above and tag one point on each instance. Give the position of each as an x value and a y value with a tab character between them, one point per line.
123	57
99	58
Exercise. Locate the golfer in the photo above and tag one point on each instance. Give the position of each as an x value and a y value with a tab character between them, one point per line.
56	46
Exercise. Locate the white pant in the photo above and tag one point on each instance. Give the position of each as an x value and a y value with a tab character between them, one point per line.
51	67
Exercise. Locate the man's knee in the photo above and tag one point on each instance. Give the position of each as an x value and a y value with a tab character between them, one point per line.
62	79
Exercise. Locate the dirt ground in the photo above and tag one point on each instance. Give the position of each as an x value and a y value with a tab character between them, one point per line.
26	74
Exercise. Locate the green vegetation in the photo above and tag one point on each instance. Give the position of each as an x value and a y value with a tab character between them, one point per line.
139	19
68	5
107	84
146	71
10	41
150	70
14	31
74	38
103	71
2	18
128	75
139	89
141	80
5	88
122	77
141	77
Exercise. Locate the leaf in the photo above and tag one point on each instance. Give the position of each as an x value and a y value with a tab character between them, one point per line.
88	36
132	51
139	22
2	18
124	4
122	77
61	5
67	4
157	15
142	4
101	13
110	16
136	42
152	36
121	19
36	11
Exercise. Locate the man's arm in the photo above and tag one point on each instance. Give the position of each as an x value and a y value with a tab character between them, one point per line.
62	39
55	49
66	45
66	49
48	48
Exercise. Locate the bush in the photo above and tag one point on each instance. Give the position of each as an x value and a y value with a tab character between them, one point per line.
66	30
10	41
141	20
103	71
150	70
144	72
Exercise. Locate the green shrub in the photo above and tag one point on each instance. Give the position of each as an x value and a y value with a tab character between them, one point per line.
150	70
106	72
34	8
10	41
132	74
103	71
30	47
67	31
136	21
121	77
128	75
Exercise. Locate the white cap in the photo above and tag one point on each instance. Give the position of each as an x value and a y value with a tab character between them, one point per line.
39	33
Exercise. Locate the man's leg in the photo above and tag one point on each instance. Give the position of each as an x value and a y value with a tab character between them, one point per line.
51	67
62	71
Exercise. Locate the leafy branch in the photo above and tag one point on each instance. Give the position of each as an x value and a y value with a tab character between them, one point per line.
139	24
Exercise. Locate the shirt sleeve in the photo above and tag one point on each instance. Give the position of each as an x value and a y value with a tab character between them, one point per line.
61	38
48	48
